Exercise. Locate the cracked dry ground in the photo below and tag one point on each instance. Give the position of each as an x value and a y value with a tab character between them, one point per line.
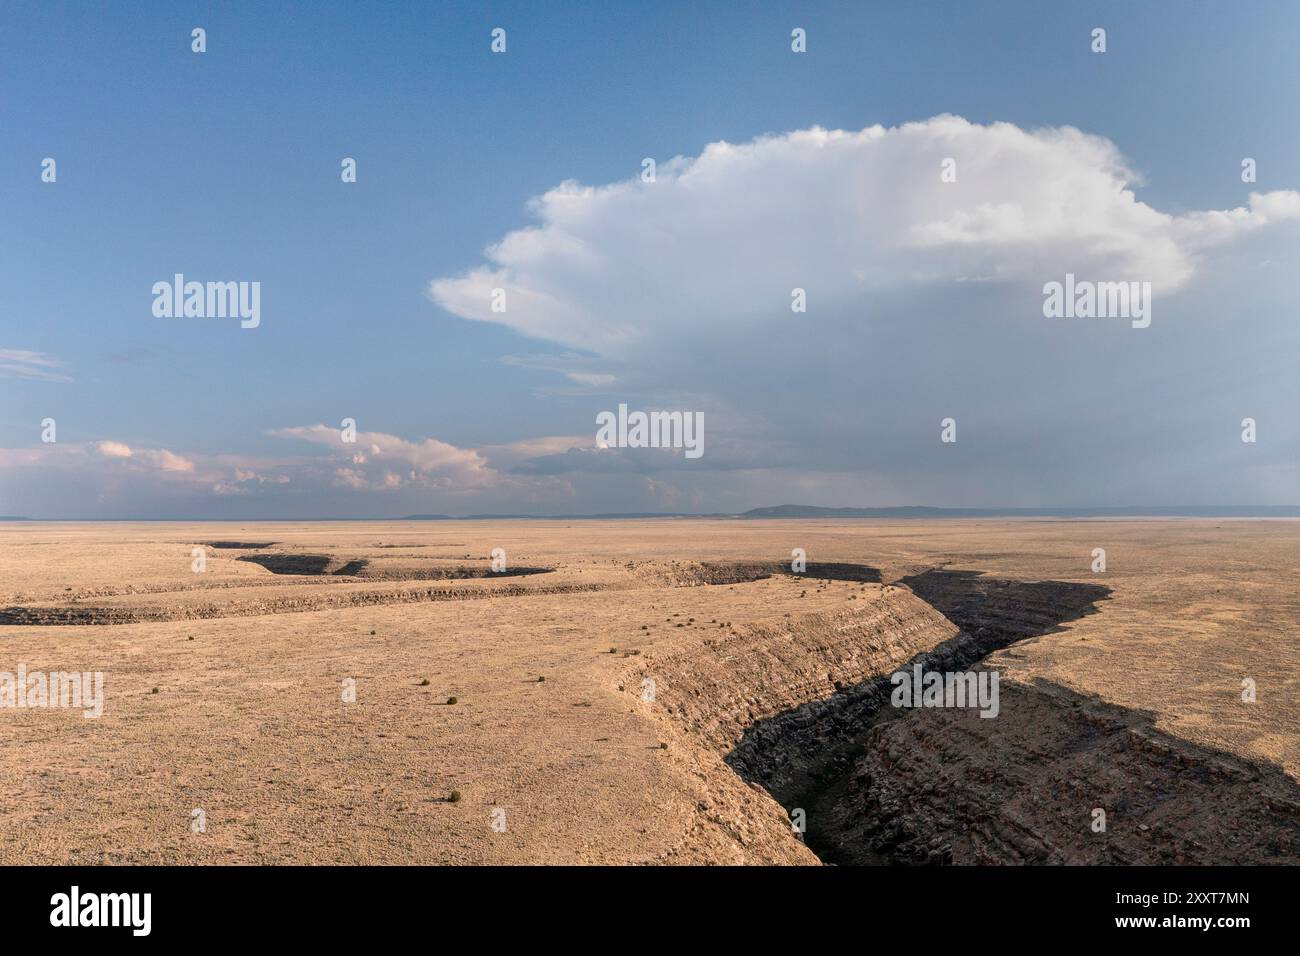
223	692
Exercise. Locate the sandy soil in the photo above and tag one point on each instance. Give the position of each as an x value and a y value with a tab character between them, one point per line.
224	691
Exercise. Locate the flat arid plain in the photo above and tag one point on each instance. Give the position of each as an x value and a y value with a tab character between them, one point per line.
657	691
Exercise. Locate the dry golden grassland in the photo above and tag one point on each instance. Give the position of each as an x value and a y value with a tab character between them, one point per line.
224	691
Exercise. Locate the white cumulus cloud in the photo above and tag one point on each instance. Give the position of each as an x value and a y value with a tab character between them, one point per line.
721	237
924	300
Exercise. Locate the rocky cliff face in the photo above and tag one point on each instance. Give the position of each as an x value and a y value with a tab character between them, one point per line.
1036	784
799	709
775	700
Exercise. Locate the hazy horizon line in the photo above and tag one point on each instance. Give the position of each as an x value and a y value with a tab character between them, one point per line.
760	513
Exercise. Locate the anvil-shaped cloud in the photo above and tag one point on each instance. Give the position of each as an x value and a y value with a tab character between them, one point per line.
721	239
924	301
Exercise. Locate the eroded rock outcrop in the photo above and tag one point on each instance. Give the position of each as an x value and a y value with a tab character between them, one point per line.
1032	785
774	699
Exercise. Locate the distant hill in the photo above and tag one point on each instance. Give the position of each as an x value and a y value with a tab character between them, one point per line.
13	518
1136	511
814	511
915	511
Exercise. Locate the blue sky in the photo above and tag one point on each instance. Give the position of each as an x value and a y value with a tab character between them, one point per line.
225	165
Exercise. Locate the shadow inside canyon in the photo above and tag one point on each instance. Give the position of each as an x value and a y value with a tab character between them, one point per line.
884	785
